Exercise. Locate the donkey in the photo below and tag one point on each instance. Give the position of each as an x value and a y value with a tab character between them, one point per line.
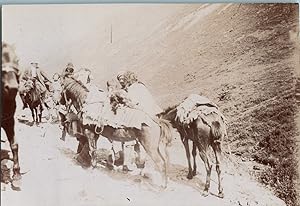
203	136
33	99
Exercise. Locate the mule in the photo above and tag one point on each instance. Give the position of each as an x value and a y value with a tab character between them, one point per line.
33	100
155	138
203	136
10	83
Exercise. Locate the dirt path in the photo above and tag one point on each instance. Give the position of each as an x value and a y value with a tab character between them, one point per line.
53	177
239	51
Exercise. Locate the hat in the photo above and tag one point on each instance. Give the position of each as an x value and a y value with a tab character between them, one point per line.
55	76
120	74
34	64
70	65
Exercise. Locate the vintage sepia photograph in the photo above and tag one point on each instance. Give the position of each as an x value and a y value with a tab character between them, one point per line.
150	104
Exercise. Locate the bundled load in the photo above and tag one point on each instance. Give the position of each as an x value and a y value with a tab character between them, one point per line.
113	109
195	106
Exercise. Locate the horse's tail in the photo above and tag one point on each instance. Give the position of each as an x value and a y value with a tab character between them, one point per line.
165	131
217	131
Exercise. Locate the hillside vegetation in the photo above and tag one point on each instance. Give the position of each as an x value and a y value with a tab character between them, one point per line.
242	57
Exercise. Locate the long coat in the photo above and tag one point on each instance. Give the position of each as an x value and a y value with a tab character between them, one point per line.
140	95
41	76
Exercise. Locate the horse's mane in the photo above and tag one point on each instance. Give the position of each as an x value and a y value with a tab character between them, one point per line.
168	109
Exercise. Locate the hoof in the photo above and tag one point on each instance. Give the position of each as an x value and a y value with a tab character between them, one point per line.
194	173
126	169
163	187
205	193
94	163
221	195
16	184
190	176
109	166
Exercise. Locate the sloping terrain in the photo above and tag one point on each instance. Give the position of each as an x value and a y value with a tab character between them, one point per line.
244	57
52	176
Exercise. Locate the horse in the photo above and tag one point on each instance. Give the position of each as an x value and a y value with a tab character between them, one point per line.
33	100
203	136
155	138
10	83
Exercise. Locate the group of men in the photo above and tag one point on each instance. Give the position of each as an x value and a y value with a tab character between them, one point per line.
134	90
131	88
40	80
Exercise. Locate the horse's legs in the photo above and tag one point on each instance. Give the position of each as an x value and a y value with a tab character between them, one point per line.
141	157
203	154
127	155
82	141
32	114
91	138
185	142
152	148
46	105
165	156
218	152
40	113
8	126
36	115
194	153
25	105
165	162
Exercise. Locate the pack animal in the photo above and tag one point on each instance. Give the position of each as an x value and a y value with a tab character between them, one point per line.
10	83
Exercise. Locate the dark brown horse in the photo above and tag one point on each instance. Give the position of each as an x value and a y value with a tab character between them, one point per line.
154	138
33	100
71	90
203	136
10	83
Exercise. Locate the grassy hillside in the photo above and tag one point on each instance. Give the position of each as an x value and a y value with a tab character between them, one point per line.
242	57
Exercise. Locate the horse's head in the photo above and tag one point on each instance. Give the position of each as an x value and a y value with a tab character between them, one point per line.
28	85
10	71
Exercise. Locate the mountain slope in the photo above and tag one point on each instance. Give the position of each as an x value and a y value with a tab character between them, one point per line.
242	56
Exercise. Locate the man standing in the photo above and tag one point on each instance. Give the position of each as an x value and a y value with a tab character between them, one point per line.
41	76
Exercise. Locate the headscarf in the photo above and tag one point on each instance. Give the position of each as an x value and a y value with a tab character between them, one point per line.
129	78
